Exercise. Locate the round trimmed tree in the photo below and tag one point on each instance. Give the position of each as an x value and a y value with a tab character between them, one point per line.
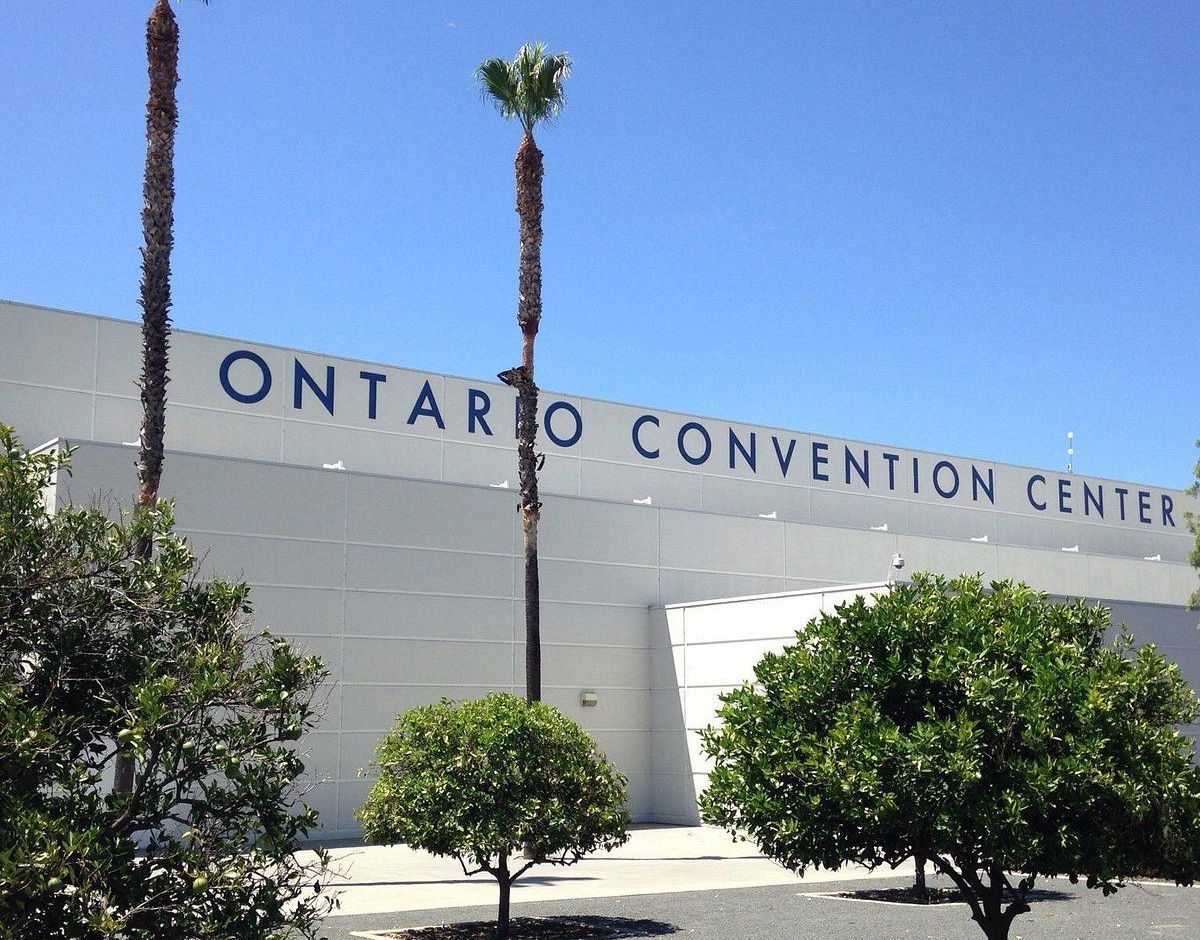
482	780
986	729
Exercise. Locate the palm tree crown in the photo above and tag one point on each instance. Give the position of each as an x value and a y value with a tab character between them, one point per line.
530	87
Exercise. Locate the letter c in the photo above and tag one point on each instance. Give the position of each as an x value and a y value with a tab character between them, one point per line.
1036	478
637	444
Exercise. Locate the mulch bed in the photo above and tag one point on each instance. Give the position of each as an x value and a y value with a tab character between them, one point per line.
906	896
541	928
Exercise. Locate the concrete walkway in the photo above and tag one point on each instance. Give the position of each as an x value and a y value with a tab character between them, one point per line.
656	860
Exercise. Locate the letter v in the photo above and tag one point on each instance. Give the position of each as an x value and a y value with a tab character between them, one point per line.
784	461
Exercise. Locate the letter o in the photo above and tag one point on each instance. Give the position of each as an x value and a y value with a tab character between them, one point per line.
694	461
938	486
564	441
252	397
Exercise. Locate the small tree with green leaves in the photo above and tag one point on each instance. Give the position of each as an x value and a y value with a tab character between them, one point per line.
107	653
985	729
481	780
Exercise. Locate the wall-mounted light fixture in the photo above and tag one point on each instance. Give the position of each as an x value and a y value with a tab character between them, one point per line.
879	528
1071	548
334	466
979	538
588	698
648	501
768	515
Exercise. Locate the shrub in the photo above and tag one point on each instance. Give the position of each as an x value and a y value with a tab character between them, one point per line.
103	653
482	780
990	731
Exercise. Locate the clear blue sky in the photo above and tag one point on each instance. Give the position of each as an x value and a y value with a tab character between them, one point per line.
962	227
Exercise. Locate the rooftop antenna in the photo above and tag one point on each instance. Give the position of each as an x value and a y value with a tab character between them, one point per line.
1070	452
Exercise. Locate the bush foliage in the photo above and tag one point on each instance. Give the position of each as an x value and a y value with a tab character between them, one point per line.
485	780
105	653
987	730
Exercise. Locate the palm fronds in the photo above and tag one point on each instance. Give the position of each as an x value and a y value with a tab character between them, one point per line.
530	87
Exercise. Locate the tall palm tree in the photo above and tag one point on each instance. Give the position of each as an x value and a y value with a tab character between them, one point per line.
158	222
529	88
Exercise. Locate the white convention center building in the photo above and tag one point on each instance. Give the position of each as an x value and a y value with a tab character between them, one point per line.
373	510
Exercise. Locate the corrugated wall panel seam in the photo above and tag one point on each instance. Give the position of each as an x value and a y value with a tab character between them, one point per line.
590	729
56	388
342	648
484	685
732	574
357	543
484	597
392	638
95	374
757	638
717	685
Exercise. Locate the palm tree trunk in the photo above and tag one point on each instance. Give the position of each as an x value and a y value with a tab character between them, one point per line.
529	315
158	217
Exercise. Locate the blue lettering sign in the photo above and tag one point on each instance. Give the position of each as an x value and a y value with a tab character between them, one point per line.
1036	478
246	398
862	469
303	378
1091	499
977	484
426	406
891	462
785	460
735	445
937	469
819	459
373	378
1144	506
1168	505
694	426
478	405
566	406
637	443
1121	494
1064	495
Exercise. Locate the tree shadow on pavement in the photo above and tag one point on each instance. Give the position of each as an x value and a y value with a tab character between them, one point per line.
564	927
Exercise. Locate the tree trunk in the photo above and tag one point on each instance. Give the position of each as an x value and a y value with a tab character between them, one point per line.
529	315
920	888
996	919
502	918
158	217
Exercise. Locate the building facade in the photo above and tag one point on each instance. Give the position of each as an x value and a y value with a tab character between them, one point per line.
373	509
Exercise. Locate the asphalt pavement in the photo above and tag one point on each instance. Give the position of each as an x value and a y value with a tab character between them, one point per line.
782	912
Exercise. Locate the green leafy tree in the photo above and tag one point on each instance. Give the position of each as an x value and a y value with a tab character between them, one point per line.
529	88
481	780
105	653
987	730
